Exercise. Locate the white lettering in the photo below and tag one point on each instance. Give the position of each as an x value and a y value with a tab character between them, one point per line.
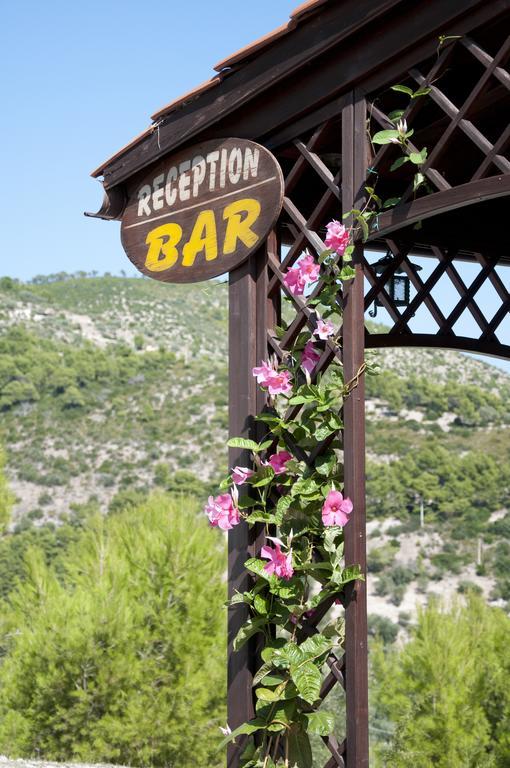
235	161
198	169
184	180
170	194
158	192
251	163
212	158
144	195
223	168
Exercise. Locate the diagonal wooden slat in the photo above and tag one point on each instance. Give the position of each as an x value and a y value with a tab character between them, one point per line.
476	136
484	58
463	112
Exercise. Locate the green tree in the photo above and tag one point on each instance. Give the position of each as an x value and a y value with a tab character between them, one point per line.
446	692
6	497
122	659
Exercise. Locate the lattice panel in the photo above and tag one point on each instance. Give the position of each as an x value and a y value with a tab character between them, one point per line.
309	164
463	121
471	298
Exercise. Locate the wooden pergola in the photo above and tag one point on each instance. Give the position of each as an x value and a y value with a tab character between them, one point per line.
312	92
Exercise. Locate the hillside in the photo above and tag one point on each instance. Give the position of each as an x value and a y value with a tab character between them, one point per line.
111	386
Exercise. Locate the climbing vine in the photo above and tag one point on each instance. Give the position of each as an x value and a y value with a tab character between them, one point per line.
295	490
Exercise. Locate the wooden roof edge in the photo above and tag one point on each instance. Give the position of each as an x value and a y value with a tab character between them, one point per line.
302	10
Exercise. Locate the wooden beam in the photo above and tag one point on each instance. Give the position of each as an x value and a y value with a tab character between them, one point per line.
247	345
356	657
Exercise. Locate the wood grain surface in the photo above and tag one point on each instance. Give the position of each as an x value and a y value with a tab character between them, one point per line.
201	212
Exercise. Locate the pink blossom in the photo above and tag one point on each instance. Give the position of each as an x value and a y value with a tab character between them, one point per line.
279	563
305	271
310	357
278	461
324	329
295	281
241	474
337	237
263	372
277	382
309	268
222	512
336	509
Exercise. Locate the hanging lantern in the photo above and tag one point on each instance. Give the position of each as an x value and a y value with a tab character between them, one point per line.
398	286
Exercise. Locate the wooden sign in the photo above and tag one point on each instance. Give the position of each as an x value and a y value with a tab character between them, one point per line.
201	212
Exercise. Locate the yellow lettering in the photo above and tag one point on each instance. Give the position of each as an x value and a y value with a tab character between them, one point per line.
239	228
162	253
203	238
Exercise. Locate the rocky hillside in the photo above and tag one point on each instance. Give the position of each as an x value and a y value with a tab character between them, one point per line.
110	386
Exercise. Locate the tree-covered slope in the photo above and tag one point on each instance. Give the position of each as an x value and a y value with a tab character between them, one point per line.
110	386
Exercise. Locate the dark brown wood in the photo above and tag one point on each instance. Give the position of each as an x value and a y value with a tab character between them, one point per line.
248	317
253	97
436	341
441	202
356	652
203	211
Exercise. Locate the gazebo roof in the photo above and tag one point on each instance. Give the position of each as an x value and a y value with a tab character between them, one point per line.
298	70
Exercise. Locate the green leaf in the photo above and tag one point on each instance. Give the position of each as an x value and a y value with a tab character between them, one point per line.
322	723
395	115
402	89
419	178
266	694
255	565
300	751
261	604
421	92
416	158
307	679
351	573
391	202
241	442
315	646
250	628
398	162
385	137
247	728
265	444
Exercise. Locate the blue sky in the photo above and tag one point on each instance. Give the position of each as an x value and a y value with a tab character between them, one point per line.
79	80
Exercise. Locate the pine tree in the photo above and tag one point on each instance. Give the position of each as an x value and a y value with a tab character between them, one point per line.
446	691
122	659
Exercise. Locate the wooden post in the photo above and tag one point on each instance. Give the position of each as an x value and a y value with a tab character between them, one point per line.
249	314
356	660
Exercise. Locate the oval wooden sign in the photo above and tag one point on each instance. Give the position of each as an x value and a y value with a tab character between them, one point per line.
201	212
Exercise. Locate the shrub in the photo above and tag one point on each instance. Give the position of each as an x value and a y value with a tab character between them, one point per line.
123	659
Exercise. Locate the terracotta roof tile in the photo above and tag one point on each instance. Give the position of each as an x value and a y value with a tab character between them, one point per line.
248	50
251	48
305	8
189	96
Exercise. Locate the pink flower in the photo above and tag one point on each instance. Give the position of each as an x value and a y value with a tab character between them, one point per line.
241	474
278	461
324	330
277	382
336	509
309	268
279	563
263	372
305	271
310	357
295	281
337	237
222	512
